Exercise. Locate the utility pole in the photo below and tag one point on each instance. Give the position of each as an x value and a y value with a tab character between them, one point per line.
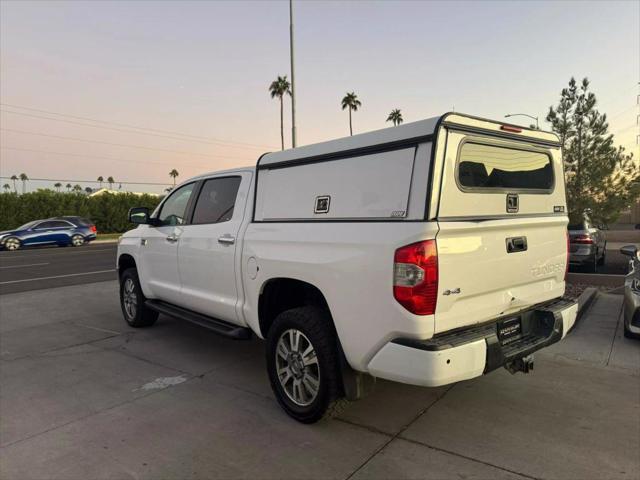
293	78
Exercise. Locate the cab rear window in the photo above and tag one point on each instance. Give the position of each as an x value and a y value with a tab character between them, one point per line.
491	167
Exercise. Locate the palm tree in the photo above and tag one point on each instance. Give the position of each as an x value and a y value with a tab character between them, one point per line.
351	102
88	190
68	187
23	179
110	181
58	185
395	116
6	186
279	88
14	179
100	180
174	174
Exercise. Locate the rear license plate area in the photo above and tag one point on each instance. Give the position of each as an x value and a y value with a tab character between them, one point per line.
509	330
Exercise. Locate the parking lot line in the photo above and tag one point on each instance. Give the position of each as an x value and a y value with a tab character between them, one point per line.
24	266
57	276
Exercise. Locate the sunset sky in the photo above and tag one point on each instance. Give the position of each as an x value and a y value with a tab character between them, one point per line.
194	75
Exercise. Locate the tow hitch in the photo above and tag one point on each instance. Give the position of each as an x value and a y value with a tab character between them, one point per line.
523	364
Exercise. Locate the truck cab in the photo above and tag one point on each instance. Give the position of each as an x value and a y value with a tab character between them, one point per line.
427	253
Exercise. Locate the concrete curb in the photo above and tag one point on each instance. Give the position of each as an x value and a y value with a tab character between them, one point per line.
596	279
115	240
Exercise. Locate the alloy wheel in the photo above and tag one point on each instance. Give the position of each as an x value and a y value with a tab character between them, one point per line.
297	367
129	298
12	244
77	240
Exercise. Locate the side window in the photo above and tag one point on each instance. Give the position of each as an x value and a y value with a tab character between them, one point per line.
44	225
58	224
174	208
216	200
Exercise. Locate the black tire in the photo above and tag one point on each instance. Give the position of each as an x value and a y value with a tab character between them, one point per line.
317	330
141	315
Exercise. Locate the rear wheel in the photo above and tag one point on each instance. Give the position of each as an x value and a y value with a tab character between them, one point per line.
12	243
135	312
303	366
77	240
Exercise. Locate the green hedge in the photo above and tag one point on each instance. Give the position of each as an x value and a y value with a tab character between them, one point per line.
108	211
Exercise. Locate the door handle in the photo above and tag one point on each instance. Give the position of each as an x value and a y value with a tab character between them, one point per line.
516	244
172	239
227	239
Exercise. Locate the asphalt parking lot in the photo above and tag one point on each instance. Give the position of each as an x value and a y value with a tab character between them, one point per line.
84	396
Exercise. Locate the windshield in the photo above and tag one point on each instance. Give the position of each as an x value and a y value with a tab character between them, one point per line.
27	225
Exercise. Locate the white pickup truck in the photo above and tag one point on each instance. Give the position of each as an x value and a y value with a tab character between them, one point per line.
427	253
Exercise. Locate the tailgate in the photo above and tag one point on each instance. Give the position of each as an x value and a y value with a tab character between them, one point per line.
502	241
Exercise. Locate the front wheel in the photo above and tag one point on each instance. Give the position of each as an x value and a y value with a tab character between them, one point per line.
12	243
135	312
303	365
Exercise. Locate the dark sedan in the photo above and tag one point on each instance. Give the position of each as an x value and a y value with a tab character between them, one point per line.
61	231
587	245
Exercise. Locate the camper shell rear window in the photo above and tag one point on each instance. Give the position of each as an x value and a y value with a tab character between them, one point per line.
485	167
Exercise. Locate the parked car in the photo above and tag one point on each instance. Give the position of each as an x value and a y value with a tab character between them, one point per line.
427	253
587	245
61	231
632	293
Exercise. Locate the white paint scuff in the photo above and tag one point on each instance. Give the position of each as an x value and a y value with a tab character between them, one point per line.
163	382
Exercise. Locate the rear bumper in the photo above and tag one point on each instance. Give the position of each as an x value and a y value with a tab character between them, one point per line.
471	352
582	255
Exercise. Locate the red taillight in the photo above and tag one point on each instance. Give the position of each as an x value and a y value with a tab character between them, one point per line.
93	229
415	277
583	239
509	128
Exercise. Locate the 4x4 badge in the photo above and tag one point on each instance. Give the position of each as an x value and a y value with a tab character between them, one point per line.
512	203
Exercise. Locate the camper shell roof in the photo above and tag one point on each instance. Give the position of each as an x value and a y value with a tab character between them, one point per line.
395	137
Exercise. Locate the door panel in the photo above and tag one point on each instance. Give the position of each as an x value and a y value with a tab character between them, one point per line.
159	248
207	247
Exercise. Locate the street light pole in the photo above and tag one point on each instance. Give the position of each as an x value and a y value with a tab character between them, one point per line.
293	77
524	115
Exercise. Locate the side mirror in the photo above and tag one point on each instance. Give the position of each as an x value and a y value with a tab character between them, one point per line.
140	216
629	251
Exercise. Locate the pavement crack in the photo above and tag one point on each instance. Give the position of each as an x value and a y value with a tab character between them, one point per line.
615	333
472	459
396	435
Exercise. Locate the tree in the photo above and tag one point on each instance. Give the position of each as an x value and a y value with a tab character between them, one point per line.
77	188
600	177
23	179
110	181
88	190
395	116
100	180
279	88
68	186
58	185
14	179
6	187
174	174
351	102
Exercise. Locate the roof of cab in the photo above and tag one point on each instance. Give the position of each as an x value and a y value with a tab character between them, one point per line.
415	132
